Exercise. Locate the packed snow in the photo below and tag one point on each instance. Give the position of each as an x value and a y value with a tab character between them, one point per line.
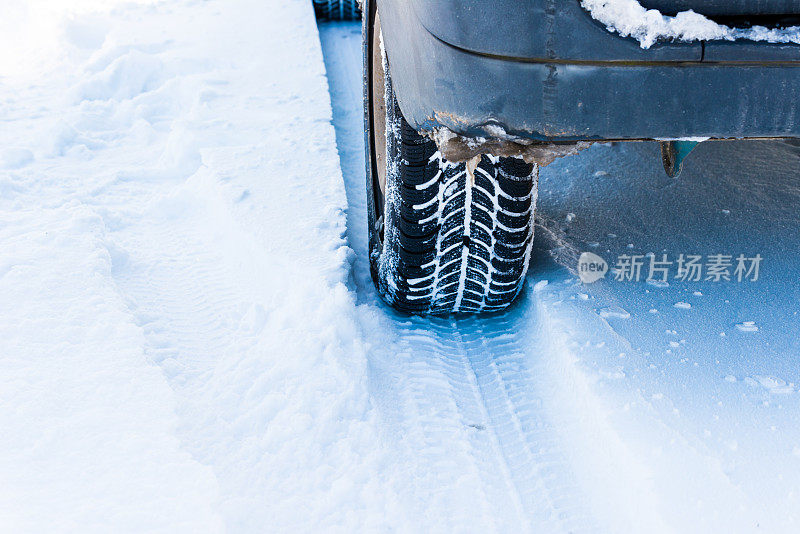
630	19
191	340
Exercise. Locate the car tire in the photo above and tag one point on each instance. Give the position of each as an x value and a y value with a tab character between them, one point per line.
445	237
337	9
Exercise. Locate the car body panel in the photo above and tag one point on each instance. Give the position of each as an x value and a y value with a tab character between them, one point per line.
750	51
555	99
552	29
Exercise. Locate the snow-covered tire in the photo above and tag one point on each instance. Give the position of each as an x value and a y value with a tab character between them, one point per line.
448	239
337	9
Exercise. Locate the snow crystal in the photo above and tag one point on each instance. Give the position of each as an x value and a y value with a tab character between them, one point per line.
615	373
614	312
539	286
773	384
747	326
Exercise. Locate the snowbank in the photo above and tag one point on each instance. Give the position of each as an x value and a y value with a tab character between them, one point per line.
181	351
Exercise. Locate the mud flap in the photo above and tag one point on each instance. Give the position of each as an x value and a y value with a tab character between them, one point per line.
673	153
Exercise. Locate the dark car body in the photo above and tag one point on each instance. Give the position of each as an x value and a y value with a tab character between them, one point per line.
546	70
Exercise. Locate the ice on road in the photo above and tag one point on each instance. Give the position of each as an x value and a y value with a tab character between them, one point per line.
190	341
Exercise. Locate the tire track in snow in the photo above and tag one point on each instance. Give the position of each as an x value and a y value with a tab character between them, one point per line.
476	429
448	439
527	440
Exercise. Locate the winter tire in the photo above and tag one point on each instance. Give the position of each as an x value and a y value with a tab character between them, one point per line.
445	237
337	9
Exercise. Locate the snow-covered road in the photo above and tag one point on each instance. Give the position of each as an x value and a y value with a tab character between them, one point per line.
190	342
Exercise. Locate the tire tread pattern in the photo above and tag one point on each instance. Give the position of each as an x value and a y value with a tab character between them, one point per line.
454	241
337	9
